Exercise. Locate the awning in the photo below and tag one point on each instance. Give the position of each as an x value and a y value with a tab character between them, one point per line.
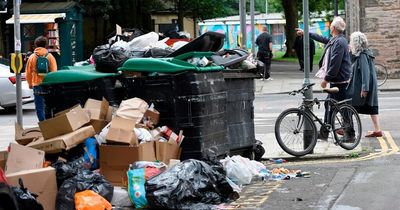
37	18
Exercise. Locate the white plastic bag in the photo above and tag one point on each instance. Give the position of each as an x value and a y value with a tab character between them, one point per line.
143	134
235	171
178	44
101	137
144	41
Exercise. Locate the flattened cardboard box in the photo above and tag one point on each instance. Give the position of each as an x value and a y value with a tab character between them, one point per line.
121	131
64	123
39	181
115	160
23	158
26	136
64	142
166	151
98	109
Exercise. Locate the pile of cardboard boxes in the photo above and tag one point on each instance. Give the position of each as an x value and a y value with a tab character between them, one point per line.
126	135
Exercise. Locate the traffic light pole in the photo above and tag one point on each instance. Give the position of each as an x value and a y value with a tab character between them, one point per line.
17	48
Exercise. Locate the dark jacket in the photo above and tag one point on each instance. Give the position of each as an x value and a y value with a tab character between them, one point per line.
298	46
364	78
339	64
263	41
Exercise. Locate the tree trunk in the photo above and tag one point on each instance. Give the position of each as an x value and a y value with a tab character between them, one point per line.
290	10
181	14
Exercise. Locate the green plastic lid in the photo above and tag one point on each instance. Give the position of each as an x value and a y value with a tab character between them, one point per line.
65	76
84	67
168	65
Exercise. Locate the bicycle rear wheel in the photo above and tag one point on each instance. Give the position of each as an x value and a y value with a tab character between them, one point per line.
289	132
346	126
381	74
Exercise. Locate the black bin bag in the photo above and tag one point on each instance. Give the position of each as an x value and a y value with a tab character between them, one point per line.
26	199
108	59
84	180
191	184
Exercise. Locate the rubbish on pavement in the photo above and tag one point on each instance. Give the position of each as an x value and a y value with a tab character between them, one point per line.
133	109
22	158
189	183
98	109
84	180
115	160
136	188
121	131
41	182
91	155
121	198
8	200
26	199
284	174
65	122
237	171
166	151
63	142
3	158
89	200
26	136
67	170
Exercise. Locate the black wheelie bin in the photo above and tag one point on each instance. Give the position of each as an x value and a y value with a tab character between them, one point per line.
66	88
188	97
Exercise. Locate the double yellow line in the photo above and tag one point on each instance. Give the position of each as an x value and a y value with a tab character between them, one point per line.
385	150
388	148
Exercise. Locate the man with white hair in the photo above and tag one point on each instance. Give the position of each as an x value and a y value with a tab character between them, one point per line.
335	63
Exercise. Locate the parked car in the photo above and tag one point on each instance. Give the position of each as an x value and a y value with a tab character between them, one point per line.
8	92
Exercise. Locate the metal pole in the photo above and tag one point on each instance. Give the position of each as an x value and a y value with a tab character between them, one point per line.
335	6
253	48
308	134
242	13
17	48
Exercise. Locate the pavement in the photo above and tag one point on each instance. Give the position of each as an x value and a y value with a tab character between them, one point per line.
286	77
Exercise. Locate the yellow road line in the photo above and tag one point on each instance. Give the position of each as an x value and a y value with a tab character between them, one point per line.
384	152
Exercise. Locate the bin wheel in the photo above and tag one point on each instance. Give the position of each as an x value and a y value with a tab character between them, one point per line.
258	151
250	154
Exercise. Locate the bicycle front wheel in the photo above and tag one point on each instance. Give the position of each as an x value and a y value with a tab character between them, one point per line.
346	126
292	134
381	74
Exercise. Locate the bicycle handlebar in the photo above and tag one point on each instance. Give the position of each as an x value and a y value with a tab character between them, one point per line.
302	90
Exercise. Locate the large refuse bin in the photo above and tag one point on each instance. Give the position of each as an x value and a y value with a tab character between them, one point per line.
194	102
66	88
240	109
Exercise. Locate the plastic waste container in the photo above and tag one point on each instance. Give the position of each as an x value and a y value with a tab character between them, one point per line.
66	88
240	111
190	98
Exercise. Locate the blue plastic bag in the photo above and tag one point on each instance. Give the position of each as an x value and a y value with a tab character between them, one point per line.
91	155
136	188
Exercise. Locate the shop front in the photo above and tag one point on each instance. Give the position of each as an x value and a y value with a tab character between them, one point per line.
60	22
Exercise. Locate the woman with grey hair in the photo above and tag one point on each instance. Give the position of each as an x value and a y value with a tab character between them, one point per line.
363	85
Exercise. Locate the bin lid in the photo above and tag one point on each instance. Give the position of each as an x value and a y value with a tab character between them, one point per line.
209	41
83	67
164	65
66	76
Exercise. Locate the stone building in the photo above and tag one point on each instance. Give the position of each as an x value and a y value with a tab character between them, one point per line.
380	21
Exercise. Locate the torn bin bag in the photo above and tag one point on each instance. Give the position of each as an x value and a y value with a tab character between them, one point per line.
189	183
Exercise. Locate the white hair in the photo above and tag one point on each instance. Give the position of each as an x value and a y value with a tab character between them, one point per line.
339	24
358	43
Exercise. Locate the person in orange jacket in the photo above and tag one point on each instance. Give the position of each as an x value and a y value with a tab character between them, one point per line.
33	78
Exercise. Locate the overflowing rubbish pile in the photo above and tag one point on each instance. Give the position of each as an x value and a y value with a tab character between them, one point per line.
145	125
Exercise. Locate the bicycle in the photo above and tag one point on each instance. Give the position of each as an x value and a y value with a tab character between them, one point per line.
381	74
296	139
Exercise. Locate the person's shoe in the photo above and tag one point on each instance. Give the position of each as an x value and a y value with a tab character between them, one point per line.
301	69
375	134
